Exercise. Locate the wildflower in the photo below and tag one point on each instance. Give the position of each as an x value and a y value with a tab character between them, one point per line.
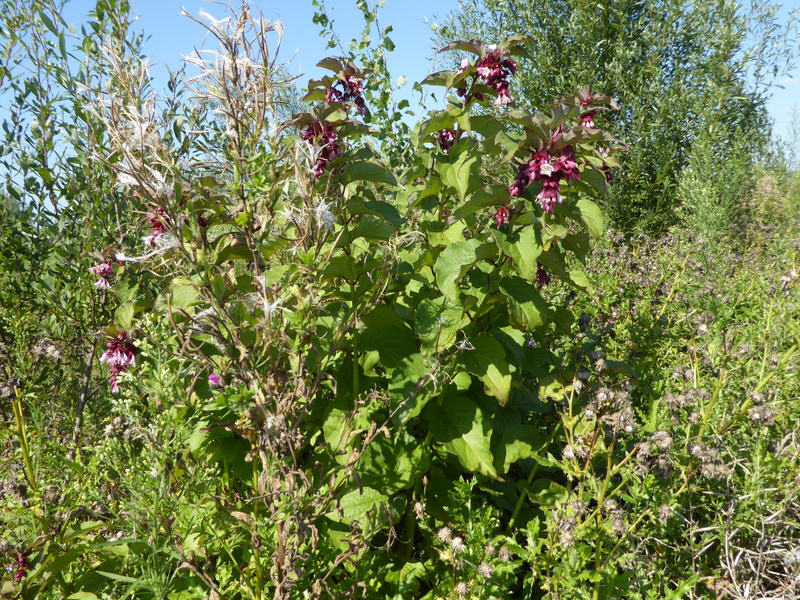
504	554
462	589
120	354
157	227
665	511
568	452
494	70
662	439
501	216
324	139
351	90
214	380
446	139
21	565
550	194
587	119
542	276
104	270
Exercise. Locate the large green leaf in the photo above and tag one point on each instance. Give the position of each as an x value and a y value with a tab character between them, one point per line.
518	442
488	361
363	170
463	175
393	464
410	387
437	322
460	425
592	216
452	263
524	247
386	333
526	307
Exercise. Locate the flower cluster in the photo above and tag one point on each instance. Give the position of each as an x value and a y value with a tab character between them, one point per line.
120	354
494	70
501	216
351	91
20	567
542	276
157	227
551	169
325	139
104	270
446	139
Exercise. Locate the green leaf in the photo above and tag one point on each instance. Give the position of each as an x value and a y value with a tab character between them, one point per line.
580	279
547	493
82	596
460	425
524	247
410	385
356	504
462	175
123	316
81	530
518	442
393	464
592	216
389	335
526	307
437	322
488	361
451	265
368	171
184	296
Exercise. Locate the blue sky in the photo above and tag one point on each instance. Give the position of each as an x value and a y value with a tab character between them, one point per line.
172	36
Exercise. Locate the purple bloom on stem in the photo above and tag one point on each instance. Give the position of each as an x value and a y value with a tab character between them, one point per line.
119	355
542	276
501	216
214	380
446	139
104	270
550	194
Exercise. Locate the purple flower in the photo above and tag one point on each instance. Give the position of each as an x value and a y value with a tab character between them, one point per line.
120	354
446	139
157	227
550	194
501	216
214	380
542	277
104	270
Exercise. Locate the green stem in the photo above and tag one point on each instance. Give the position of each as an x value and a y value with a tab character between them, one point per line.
23	440
521	498
259	591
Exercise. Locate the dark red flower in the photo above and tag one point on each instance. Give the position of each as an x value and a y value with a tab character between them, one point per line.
501	216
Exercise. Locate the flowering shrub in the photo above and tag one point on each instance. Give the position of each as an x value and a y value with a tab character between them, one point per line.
359	371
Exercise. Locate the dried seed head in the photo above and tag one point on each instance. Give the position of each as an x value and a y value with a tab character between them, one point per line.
662	439
485	570
458	546
462	589
445	534
504	554
665	511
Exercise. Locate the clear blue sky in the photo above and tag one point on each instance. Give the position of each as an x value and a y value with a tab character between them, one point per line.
172	36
